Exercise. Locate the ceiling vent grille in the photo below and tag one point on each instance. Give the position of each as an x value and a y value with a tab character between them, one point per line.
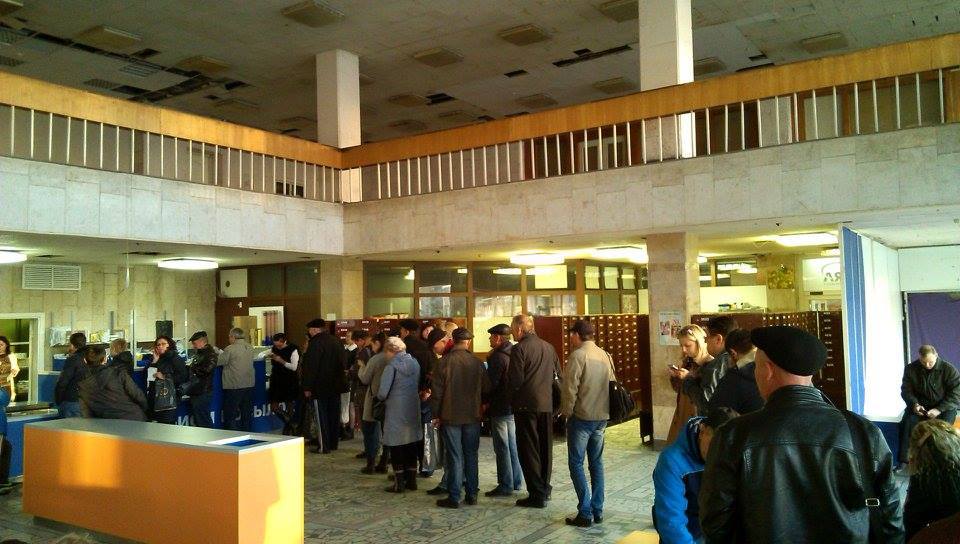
51	277
106	37
537	101
709	65
101	84
10	36
140	69
408	100
203	64
437	57
620	10
8	61
616	85
408	125
312	13
821	44
523	35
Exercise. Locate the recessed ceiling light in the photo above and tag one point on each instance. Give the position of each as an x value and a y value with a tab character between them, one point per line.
312	13
708	65
203	64
438	56
523	35
616	85
634	254
7	257
620	10
535	259
188	264
808	239
827	42
539	100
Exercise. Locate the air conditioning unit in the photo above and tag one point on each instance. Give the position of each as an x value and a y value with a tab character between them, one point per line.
51	277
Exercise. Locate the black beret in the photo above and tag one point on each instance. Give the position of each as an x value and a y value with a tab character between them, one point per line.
316	324
792	349
501	330
462	334
198	335
435	336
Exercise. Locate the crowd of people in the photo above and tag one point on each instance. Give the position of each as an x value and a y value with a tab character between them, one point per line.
755	452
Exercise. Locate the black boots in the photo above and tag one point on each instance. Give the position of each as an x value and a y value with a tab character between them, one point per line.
411	479
369	468
398	483
381	467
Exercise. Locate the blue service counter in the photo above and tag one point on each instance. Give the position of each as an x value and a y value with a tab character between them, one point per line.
263	419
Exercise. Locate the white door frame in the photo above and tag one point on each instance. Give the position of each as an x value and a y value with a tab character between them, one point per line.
37	348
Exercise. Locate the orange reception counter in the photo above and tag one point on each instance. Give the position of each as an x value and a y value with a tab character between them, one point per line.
151	482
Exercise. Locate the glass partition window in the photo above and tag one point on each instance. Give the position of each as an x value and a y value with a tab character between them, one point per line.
552	304
706	275
442	307
558	276
628	277
390	307
496	278
442	279
591	277
611	277
389	279
737	273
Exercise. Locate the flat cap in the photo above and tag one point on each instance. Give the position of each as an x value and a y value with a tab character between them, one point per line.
582	327
792	349
316	324
198	335
462	334
501	329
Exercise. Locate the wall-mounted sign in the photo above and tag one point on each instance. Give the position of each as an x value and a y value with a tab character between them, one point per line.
822	274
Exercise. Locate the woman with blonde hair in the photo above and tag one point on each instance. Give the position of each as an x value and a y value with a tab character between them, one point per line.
118	346
693	351
934	491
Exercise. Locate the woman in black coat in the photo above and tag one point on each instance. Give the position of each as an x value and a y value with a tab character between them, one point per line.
168	364
109	392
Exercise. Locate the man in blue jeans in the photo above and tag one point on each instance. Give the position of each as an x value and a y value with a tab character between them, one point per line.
503	429
67	391
238	381
585	401
459	383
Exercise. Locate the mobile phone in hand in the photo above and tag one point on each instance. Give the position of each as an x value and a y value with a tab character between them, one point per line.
674	367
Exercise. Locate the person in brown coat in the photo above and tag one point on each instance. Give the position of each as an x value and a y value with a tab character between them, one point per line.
459	384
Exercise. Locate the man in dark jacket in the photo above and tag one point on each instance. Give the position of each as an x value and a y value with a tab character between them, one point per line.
931	389
533	367
459	385
67	392
701	384
109	392
503	429
202	365
792	471
323	381
738	387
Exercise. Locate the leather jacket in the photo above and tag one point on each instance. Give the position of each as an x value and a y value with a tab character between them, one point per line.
790	473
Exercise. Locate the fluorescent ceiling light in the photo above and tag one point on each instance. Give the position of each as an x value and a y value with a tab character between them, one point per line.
410	275
701	259
535	259
808	239
832	252
7	257
507	271
188	264
461	271
619	252
705	278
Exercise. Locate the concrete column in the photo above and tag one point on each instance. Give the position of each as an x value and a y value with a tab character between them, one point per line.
666	58
341	288
338	98
674	282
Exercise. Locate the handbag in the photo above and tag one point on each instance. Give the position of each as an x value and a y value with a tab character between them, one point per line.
165	395
380	406
621	402
556	394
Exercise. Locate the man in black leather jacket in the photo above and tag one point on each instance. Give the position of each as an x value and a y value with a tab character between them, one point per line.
791	472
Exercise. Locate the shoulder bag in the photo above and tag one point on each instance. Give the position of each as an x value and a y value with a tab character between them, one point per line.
165	397
380	406
621	402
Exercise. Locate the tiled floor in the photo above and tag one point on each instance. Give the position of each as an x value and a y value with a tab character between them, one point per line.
344	506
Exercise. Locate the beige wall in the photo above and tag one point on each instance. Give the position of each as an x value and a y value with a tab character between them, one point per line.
151	293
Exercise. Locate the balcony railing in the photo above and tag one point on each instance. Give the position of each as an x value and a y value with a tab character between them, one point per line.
37	135
877	105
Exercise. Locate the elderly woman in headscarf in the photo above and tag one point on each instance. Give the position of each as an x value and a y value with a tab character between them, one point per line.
402	429
934	491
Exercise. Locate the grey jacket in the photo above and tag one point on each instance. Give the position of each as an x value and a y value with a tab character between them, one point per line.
370	375
237	363
585	387
399	387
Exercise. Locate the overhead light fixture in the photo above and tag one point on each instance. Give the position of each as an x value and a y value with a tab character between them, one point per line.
536	259
507	271
461	271
312	13
8	257
701	259
106	37
634	254
188	264
808	239
832	252
410	275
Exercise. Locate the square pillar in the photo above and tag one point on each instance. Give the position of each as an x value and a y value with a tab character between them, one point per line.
673	279
341	288
338	98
